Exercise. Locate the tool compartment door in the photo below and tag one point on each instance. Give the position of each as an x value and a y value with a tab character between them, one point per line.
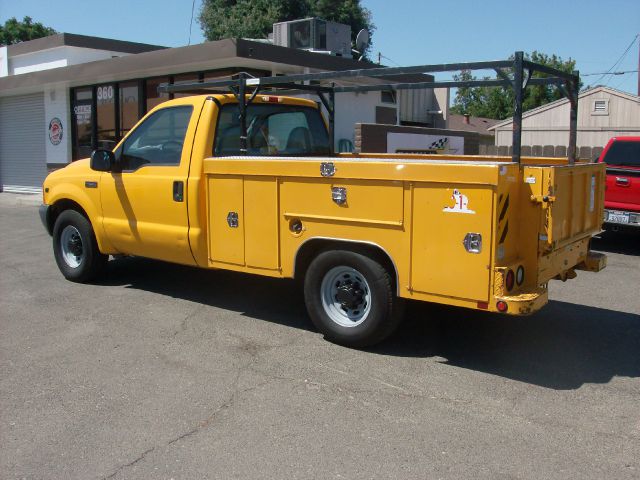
442	217
577	209
243	221
226	219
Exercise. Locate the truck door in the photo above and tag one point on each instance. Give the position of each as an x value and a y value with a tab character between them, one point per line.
144	206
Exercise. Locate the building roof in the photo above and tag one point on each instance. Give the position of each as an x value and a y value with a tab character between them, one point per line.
83	41
227	53
563	101
476	124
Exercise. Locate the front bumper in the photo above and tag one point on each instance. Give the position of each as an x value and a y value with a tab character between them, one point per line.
45	215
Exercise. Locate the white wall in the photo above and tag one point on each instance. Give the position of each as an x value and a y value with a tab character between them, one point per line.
55	58
352	108
56	105
4	62
441	102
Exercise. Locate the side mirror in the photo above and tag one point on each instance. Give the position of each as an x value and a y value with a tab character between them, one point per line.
102	160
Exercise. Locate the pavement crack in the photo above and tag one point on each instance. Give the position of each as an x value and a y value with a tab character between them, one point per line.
130	464
184	323
253	351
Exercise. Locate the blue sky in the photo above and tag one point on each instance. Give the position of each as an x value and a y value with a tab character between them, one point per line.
594	32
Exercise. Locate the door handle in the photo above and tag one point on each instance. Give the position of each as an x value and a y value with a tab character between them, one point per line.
178	191
622	181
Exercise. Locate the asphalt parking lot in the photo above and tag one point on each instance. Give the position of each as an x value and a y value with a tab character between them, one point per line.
162	371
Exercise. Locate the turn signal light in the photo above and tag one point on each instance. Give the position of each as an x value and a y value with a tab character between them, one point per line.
502	306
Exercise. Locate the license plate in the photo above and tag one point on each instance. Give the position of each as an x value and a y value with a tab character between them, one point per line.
618	217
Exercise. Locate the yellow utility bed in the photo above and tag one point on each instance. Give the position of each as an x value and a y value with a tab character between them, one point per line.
453	229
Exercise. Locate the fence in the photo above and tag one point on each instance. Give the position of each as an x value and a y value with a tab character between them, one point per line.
583	153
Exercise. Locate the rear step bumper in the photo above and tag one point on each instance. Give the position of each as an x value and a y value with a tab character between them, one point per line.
525	303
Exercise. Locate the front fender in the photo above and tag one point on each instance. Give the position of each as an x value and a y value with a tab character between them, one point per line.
89	201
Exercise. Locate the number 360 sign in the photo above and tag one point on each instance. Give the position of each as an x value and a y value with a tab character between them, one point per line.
105	93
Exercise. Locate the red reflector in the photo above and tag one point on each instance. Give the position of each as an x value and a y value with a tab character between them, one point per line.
502	306
509	280
483	305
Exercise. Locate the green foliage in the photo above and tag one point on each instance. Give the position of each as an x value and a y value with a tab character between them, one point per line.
255	18
15	31
497	102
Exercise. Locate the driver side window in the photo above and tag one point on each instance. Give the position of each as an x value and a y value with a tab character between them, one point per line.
157	141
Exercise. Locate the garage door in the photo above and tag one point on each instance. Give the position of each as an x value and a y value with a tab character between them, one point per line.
23	163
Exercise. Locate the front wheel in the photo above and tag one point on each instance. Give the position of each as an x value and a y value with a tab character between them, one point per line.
350	298
75	248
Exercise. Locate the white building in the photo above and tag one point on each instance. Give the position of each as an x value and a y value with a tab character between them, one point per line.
602	113
62	96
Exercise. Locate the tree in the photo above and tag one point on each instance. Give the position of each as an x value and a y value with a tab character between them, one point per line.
497	102
255	18
15	31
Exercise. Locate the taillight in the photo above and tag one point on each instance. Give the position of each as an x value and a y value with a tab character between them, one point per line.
502	306
509	280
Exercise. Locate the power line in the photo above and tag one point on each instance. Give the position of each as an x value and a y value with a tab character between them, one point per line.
618	61
608	73
380	56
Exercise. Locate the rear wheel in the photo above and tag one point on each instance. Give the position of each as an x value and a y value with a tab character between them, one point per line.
351	299
75	248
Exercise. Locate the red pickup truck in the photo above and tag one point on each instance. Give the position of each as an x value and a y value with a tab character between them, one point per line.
622	194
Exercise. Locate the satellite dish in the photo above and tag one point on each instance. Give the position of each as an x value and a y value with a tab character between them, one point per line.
362	40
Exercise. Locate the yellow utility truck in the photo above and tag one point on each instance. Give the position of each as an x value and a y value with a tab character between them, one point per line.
247	181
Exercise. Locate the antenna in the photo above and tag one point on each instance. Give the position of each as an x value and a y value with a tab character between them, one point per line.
362	42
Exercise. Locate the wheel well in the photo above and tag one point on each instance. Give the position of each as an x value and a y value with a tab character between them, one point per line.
59	207
313	247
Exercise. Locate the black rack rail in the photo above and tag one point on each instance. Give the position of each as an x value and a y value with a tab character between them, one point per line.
246	87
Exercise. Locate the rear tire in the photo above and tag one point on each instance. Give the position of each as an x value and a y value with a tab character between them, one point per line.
75	248
351	298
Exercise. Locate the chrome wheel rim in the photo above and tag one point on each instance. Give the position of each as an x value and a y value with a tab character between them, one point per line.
71	246
346	296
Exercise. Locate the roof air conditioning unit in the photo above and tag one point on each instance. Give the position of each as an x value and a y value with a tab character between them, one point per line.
314	34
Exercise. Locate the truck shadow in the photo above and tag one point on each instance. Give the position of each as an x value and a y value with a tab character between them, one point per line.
626	242
273	300
562	347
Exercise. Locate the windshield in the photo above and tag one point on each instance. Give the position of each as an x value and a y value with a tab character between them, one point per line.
623	153
272	130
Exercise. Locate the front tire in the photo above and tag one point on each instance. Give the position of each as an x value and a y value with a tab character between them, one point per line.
75	248
351	299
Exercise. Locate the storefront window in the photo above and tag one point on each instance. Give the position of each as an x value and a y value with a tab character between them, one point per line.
105	101
128	106
81	112
153	97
